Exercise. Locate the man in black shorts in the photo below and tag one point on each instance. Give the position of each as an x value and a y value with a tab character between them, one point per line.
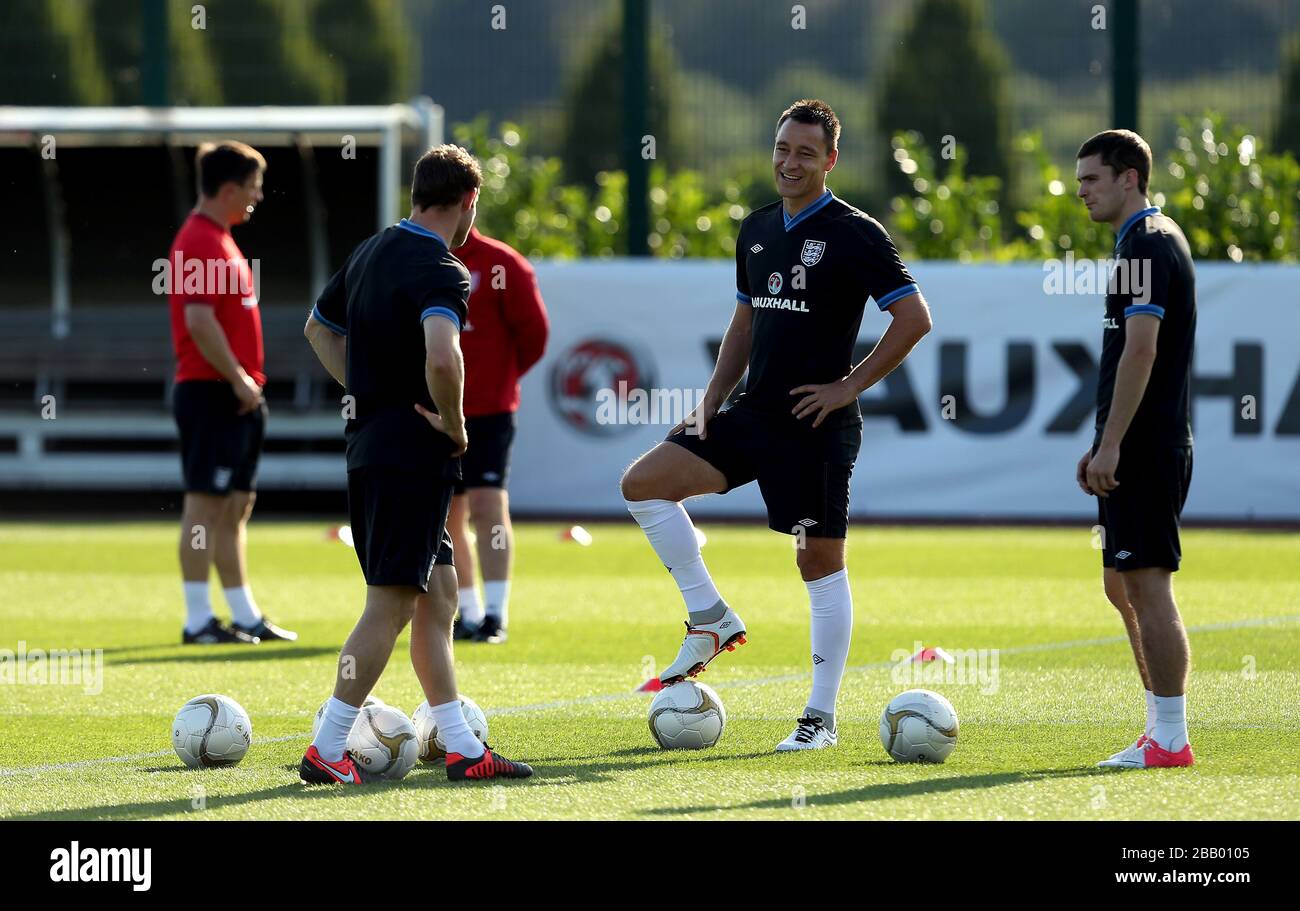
805	267
1140	463
217	400
387	327
505	337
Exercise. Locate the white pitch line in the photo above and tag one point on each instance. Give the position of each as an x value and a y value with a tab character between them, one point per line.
722	684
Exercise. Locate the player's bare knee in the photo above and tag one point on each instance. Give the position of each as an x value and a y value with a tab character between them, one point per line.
1118	597
1146	590
405	611
205	511
440	607
634	484
817	564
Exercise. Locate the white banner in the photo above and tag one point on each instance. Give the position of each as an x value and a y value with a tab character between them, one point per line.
1018	362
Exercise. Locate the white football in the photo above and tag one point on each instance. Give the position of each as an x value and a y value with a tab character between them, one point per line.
919	726
320	712
382	742
687	716
211	731
432	748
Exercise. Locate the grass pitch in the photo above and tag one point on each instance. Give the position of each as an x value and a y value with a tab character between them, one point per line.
588	624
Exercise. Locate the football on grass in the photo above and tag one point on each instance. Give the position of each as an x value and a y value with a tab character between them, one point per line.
432	747
211	731
687	716
919	726
382	742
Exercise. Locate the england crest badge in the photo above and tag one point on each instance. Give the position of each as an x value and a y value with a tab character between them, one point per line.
812	252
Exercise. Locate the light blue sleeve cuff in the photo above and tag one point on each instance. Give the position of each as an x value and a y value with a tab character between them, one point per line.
743	298
896	295
332	327
444	312
1154	309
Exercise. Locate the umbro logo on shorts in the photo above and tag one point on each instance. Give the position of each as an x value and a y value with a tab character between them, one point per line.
807	523
1123	555
757	248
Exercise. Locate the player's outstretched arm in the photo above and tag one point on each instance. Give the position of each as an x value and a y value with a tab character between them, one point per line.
330	347
910	323
733	358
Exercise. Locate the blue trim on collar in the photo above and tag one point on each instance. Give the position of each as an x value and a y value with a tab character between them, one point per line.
408	225
821	203
1133	219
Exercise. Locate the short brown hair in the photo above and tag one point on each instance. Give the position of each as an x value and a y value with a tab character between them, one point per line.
218	163
1119	151
443	176
813	110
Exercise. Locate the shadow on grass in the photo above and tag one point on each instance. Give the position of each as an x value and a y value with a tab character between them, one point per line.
892	790
270	651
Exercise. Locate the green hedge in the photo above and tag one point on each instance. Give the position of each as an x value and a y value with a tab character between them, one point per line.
1234	199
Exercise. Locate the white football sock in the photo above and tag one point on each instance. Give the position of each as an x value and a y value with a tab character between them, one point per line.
456	735
198	606
496	599
831	605
332	736
672	536
471	608
243	609
1170	730
1151	712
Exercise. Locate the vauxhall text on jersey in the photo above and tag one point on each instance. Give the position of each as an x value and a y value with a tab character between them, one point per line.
1164	416
808	279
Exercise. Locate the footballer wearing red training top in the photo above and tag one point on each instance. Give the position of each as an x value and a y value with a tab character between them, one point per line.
505	336
217	401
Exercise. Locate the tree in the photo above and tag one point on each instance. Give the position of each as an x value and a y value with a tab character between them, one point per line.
948	79
593	128
119	33
370	43
48	56
267	53
1288	115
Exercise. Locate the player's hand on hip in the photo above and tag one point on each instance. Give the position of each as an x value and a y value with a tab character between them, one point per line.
459	440
821	400
697	422
1081	473
247	392
1100	473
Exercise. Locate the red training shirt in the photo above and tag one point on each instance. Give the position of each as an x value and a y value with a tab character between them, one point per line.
207	267
507	328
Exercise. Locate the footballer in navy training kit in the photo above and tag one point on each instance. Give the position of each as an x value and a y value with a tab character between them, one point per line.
805	267
387	327
1140	464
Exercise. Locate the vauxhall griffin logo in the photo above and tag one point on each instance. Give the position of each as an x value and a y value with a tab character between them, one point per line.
774	283
589	368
